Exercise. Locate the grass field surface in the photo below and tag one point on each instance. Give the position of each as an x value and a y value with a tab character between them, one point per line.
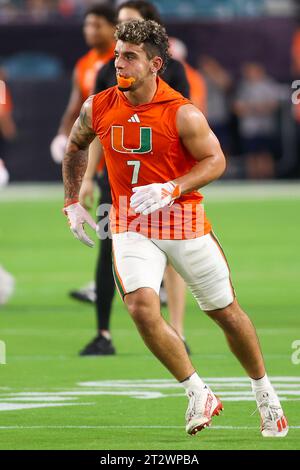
50	398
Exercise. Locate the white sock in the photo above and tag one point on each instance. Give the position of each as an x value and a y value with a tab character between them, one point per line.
261	384
194	382
264	385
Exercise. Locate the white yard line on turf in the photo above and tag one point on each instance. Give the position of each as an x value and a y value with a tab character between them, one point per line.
131	427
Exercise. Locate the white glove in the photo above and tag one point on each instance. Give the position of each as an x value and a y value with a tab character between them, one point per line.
4	175
58	147
77	217
149	198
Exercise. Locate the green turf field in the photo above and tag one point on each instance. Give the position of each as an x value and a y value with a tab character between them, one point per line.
50	398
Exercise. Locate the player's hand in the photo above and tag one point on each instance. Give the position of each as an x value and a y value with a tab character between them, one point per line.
77	217
86	194
4	175
149	198
58	148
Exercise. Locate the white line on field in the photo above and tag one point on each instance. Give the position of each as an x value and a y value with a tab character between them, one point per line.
233	428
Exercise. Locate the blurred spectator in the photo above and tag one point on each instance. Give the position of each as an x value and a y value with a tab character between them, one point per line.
218	85
40	10
295	61
295	58
7	125
98	29
295	53
197	84
7	132
255	105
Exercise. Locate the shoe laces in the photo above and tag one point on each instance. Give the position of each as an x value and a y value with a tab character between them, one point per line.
269	412
195	405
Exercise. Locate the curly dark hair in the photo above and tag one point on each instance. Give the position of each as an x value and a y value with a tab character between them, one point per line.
152	35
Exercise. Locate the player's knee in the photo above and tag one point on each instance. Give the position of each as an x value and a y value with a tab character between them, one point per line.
140	305
229	317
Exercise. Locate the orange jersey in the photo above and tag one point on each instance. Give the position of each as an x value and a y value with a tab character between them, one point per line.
87	68
296	67
5	100
197	87
142	146
296	48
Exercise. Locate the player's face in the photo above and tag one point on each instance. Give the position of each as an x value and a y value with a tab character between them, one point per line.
97	31
131	60
128	14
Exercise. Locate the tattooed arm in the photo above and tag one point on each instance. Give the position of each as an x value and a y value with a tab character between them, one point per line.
76	157
74	166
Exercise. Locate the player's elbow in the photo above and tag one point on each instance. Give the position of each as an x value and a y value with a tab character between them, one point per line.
219	164
222	164
72	148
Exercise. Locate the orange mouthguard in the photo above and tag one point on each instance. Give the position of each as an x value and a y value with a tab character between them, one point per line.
125	82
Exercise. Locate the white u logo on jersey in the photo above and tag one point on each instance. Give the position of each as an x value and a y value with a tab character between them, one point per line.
117	140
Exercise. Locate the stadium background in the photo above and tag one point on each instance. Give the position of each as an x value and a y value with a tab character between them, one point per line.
43	402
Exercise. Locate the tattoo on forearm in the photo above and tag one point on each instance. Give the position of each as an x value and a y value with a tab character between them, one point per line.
74	167
76	157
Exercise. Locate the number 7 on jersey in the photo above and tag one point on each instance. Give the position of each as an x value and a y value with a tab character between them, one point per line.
136	168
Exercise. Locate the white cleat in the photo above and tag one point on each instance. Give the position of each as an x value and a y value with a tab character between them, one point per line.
203	405
273	421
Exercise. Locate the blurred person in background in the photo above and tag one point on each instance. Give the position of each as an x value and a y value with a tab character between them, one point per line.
219	84
7	125
295	66
295	53
40	10
105	287
98	30
255	105
7	133
198	92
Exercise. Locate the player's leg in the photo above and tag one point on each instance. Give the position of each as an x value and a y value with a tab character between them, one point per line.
102	345
105	287
241	337
138	268
176	288
243	342
202	264
237	326
162	340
